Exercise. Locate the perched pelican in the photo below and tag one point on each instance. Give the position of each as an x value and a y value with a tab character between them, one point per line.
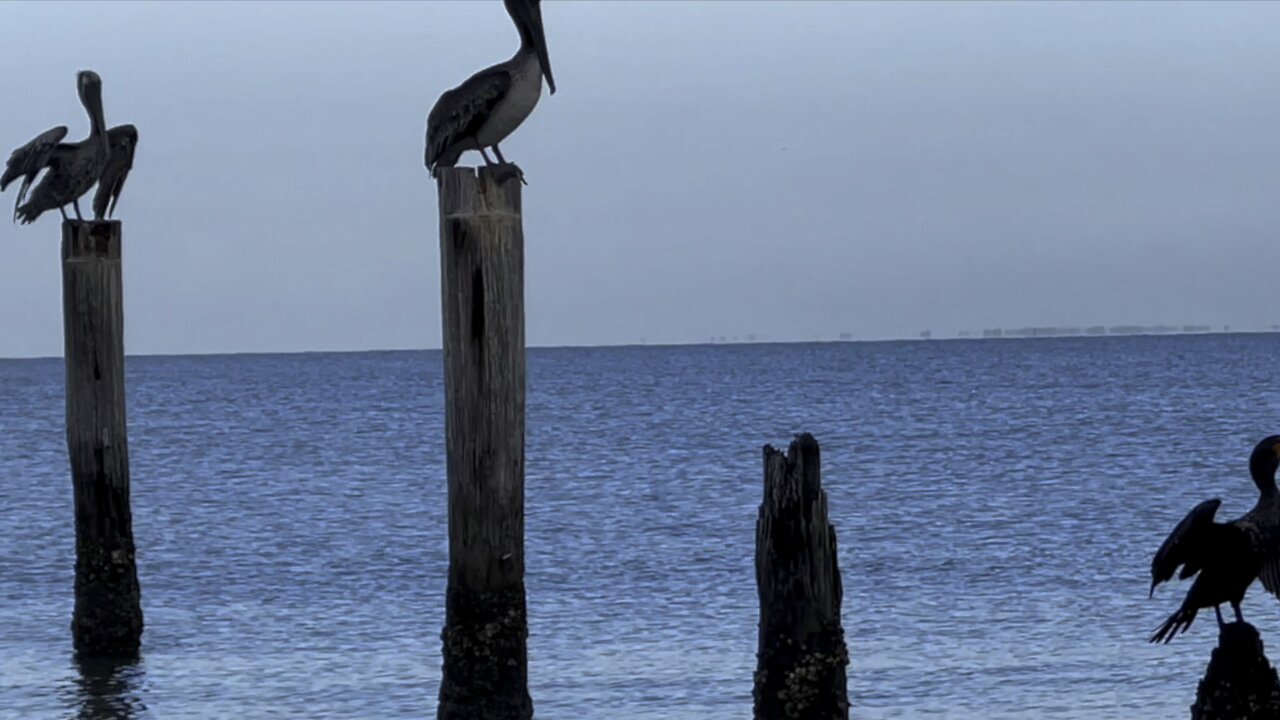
122	139
491	104
73	168
1227	556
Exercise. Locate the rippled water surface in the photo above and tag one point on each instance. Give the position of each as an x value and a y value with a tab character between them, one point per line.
997	504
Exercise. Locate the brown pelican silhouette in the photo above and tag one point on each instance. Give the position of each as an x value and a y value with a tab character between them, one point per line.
492	103
71	168
1226	556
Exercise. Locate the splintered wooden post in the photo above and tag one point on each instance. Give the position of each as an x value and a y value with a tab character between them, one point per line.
1239	681
107	620
801	657
485	673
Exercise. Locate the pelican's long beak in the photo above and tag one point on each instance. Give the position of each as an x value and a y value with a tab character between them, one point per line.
540	44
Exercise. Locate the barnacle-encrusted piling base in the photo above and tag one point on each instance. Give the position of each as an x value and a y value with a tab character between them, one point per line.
485	663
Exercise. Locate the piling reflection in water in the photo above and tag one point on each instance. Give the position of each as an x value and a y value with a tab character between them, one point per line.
110	689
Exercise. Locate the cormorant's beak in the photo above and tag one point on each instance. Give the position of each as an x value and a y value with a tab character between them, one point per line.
540	44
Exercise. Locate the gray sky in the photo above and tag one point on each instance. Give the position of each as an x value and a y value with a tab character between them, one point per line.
786	169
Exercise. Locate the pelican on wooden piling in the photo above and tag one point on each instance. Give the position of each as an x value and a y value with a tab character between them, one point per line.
72	168
492	103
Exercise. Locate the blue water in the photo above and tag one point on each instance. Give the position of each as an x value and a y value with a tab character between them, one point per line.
997	504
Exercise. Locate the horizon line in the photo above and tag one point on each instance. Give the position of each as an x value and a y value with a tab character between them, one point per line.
676	344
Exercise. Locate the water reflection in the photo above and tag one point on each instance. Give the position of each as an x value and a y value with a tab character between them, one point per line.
109	689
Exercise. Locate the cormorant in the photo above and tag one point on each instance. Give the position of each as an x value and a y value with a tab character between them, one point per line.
491	104
1227	556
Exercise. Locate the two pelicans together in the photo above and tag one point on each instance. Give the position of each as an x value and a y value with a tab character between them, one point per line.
479	113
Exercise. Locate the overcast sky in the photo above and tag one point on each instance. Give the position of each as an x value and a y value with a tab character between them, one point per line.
788	169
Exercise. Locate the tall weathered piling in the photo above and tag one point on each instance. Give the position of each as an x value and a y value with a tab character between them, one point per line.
107	620
1239	683
801	657
485	673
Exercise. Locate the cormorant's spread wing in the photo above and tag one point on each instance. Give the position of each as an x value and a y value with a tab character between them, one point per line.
122	139
1186	545
1270	575
1270	572
30	159
462	111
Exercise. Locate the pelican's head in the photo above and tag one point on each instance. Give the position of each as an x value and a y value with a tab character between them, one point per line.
527	15
89	85
1264	461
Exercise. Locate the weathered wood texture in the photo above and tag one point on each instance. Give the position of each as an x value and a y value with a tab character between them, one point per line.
107	620
482	282
801	657
1239	683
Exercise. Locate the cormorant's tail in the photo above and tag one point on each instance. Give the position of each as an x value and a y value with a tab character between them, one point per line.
1177	623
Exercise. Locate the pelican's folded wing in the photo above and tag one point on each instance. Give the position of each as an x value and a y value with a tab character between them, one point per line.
461	112
122	139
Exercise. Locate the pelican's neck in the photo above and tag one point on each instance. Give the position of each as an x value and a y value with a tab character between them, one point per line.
524	53
97	123
526	38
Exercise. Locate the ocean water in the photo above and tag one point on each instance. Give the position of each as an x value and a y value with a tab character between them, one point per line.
997	504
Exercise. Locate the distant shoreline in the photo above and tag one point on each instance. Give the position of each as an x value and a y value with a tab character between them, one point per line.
1015	334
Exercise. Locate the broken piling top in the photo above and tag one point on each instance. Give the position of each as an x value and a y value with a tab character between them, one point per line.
794	477
801	654
1239	682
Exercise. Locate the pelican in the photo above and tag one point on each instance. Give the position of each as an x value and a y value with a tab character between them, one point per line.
73	168
122	139
491	104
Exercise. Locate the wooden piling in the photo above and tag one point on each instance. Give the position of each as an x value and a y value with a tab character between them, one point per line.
801	656
107	619
1239	682
485	673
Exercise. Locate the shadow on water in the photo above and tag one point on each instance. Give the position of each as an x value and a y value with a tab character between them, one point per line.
109	689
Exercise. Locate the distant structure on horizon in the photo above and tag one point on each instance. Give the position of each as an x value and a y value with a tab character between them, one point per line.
1036	331
1095	330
